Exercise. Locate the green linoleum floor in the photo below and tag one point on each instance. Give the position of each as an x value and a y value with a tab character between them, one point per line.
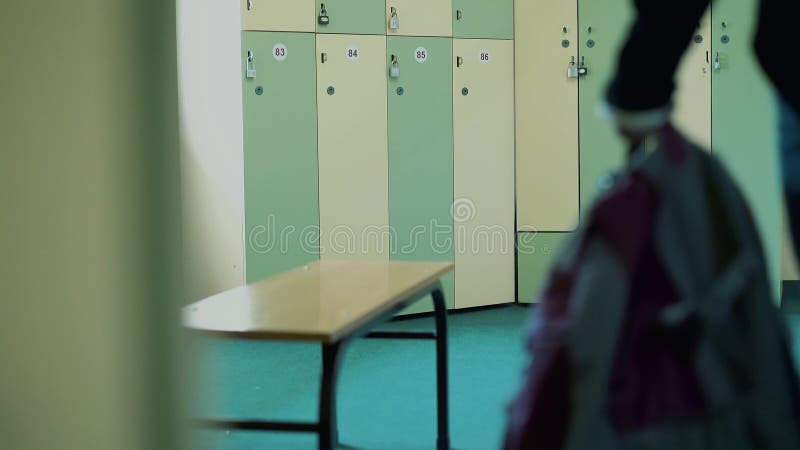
386	391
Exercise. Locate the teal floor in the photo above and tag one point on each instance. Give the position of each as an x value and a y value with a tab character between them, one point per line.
386	390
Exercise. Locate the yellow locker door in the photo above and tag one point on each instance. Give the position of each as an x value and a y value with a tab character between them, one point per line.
353	156
692	113
279	15
419	17
483	209
547	116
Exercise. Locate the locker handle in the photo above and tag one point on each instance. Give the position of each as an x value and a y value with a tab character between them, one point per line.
459	61
323	58
249	5
459	14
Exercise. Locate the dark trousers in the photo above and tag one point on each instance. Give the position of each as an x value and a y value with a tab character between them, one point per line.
790	167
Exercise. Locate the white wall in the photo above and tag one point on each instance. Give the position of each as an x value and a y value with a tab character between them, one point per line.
211	130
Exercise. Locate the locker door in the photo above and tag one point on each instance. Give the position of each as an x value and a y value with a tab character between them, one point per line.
420	17
278	15
483	19
536	253
483	209
351	16
421	152
603	28
353	160
692	114
547	116
744	122
280	151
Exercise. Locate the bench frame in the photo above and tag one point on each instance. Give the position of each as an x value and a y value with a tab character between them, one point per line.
326	426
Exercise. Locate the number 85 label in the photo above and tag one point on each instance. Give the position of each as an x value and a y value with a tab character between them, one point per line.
421	54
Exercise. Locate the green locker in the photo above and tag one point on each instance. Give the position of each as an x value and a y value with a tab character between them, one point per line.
351	16
421	152
603	28
744	122
483	19
536	253
280	152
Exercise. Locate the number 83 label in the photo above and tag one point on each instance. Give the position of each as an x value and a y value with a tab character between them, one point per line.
279	52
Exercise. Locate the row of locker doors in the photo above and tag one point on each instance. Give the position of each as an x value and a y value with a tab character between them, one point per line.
446	18
548	154
346	158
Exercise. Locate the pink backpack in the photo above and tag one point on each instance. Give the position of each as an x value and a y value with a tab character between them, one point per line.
657	328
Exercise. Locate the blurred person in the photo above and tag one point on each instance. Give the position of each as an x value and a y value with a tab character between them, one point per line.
660	35
656	329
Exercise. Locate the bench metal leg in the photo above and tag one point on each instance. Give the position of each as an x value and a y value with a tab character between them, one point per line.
328	428
442	408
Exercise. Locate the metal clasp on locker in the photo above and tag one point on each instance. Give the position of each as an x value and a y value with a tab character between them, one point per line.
250	67
249	5
394	69
717	63
394	21
459	14
572	69
323	18
582	69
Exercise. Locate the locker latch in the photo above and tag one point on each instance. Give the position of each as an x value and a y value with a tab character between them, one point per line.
250	67
459	61
572	69
323	18
582	69
394	21
394	70
459	14
249	5
717	63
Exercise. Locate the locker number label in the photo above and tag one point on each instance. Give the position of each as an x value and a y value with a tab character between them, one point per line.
421	54
485	57
279	52
352	53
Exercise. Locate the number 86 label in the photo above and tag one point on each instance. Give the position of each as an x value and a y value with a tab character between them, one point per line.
485	57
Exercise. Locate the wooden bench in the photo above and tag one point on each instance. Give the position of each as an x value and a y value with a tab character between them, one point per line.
330	302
